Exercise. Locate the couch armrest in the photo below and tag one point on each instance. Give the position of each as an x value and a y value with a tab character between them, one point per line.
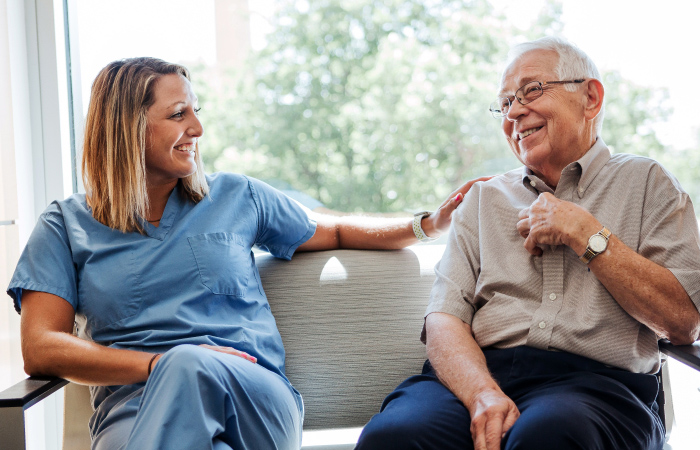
687	354
30	391
15	400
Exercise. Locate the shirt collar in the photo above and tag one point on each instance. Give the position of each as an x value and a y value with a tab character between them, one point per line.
590	165
172	208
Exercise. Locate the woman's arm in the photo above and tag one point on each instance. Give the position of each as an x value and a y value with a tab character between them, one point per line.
49	347
362	232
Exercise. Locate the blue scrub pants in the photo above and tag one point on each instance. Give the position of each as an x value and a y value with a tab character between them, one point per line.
566	402
197	398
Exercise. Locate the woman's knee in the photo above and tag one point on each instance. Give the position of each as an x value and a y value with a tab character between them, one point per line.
184	361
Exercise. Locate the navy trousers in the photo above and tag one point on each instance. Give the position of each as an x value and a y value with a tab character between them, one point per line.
565	402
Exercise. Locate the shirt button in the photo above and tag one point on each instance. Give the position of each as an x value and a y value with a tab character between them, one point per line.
532	183
580	191
552	296
542	324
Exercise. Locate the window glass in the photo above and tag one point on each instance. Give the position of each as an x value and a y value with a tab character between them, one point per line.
381	106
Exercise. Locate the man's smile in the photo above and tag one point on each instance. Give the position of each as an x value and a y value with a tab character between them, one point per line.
526	133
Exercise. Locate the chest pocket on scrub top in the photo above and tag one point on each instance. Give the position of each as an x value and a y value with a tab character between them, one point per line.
223	261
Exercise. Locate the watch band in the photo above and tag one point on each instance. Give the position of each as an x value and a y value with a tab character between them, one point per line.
589	254
418	229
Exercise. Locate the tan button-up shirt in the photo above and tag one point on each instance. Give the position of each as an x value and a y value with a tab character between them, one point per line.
512	298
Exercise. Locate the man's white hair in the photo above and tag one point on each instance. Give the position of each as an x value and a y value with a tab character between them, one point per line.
573	64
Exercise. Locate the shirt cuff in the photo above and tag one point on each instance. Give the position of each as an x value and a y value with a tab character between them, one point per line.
463	311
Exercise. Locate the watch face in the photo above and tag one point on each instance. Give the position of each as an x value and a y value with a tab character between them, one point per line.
597	243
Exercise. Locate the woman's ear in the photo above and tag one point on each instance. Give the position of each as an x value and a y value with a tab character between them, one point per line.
594	98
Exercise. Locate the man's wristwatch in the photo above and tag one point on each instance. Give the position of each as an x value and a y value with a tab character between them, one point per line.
418	229
596	245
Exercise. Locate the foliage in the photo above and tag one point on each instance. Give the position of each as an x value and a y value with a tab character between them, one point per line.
381	106
630	113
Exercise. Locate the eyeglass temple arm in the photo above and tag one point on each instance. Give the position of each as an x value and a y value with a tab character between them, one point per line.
580	80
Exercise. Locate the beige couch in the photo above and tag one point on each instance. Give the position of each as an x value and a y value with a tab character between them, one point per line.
350	321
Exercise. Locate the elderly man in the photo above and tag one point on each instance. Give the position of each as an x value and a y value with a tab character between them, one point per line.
557	281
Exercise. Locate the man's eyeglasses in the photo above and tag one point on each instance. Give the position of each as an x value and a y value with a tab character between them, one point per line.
526	94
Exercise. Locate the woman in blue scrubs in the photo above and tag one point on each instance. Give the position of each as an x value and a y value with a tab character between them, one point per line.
154	267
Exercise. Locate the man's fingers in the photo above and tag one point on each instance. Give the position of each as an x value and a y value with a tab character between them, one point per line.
512	416
479	435
494	431
487	431
531	246
523	227
489	412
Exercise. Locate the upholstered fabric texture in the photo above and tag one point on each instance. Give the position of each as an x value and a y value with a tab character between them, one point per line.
350	321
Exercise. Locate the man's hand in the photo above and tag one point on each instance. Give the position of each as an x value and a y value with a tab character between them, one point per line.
439	222
461	366
551	221
492	413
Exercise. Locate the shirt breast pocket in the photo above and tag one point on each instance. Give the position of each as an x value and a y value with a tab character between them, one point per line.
224	262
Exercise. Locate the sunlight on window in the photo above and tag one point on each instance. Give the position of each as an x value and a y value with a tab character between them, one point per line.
367	107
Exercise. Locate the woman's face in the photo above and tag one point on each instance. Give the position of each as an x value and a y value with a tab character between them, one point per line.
172	131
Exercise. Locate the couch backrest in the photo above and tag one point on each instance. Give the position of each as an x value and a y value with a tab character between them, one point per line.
350	321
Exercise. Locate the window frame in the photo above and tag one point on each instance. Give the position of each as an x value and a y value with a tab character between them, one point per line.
38	135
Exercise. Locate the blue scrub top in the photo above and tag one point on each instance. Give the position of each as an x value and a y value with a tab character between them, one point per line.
192	280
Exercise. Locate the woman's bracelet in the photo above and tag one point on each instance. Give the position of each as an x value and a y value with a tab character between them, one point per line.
150	363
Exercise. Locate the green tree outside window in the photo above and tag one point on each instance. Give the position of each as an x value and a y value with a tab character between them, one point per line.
382	106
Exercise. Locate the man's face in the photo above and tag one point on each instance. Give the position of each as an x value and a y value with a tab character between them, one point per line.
550	132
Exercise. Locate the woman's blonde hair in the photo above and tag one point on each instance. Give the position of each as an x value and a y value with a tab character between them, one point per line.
114	161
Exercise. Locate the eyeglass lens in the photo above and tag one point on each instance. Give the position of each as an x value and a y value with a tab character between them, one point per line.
526	94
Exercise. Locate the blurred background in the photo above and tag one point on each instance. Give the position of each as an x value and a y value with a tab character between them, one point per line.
382	106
